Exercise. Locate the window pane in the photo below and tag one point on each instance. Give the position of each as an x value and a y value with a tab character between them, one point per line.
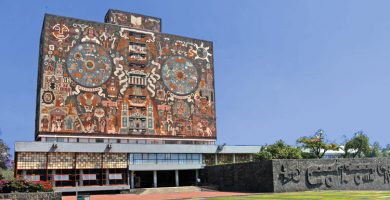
137	156
174	156
152	156
161	156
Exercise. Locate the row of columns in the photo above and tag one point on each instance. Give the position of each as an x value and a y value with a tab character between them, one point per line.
155	178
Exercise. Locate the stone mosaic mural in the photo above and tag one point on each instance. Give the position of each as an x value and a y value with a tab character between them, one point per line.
133	20
97	78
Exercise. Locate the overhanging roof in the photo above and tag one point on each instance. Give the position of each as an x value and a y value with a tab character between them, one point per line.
130	148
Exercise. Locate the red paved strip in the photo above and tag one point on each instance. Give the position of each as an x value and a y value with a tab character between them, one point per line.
179	195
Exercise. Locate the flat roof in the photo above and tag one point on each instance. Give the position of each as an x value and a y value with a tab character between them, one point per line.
131	148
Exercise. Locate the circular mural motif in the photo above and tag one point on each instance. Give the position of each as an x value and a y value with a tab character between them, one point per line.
89	65
179	75
48	97
181	109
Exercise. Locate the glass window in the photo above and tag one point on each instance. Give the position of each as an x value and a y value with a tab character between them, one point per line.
115	176
182	156
83	140
145	156
174	156
152	156
89	177
62	177
161	156
137	156
72	140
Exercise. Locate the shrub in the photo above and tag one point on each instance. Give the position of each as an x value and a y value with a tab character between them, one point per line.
24	186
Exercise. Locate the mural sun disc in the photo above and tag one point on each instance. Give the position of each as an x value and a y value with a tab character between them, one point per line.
89	65
179	75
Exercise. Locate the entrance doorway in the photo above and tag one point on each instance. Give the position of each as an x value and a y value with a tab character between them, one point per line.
166	179
143	179
187	177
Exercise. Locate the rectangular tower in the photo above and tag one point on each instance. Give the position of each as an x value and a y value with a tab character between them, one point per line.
123	79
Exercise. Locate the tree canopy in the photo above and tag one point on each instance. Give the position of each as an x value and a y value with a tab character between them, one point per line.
357	146
317	144
278	150
5	157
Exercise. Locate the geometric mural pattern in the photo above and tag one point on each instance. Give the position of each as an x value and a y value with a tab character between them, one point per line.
115	160
31	160
61	160
88	161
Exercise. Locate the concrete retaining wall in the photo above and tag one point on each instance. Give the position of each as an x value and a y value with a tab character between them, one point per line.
300	175
251	177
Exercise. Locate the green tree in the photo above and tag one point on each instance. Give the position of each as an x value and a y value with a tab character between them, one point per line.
5	161
317	144
375	151
357	146
279	150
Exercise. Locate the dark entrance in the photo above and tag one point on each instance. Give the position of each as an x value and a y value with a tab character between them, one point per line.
187	177
166	179
143	179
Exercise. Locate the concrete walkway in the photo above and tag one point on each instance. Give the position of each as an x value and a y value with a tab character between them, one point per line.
178	195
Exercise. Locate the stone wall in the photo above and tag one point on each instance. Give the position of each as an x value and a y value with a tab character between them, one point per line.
300	175
32	196
251	177
331	174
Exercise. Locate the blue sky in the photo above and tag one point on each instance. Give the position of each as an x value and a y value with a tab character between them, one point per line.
283	68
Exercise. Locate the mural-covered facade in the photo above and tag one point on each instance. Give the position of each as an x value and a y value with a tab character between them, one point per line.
122	78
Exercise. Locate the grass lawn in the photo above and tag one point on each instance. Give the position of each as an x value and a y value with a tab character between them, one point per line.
317	195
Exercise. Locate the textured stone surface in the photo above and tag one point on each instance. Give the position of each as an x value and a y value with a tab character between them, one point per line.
331	174
250	177
301	175
32	196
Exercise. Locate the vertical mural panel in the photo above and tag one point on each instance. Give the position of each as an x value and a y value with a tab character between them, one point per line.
102	79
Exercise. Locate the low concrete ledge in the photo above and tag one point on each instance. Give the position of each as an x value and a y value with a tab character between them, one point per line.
92	188
31	196
164	190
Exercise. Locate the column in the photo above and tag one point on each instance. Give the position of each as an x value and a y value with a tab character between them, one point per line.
177	178
216	159
196	176
132	179
155	178
81	178
53	173
251	157
107	177
234	158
